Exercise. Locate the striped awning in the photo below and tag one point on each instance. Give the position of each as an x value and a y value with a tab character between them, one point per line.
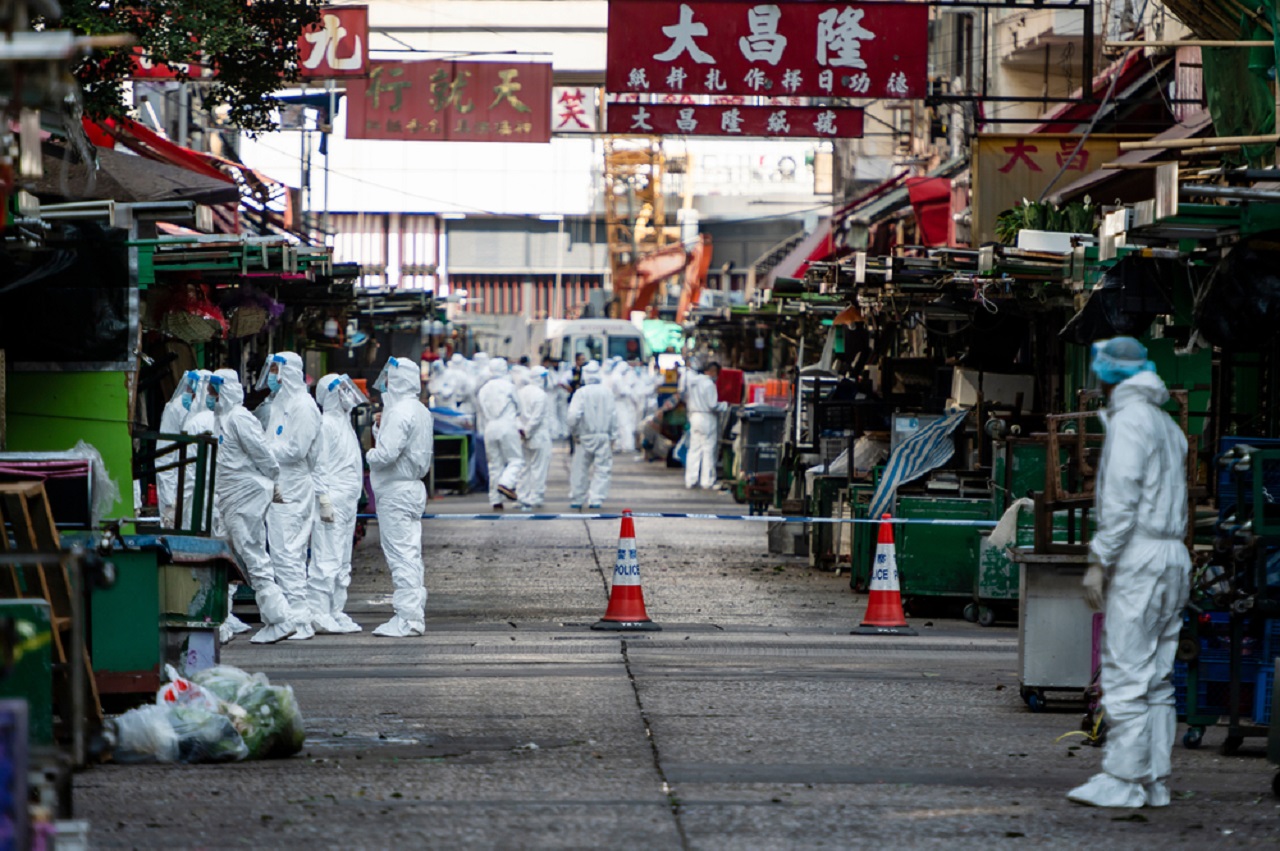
926	450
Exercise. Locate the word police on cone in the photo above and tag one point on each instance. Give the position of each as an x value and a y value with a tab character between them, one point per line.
884	603
626	599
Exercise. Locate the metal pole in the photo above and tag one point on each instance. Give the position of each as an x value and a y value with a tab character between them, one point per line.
557	303
328	155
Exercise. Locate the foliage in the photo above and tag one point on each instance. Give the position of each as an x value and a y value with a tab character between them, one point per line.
250	45
1076	217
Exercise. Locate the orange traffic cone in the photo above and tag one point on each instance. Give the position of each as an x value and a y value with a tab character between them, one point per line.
884	602
626	599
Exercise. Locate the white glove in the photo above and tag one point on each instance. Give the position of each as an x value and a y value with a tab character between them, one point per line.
276	496
1095	586
326	508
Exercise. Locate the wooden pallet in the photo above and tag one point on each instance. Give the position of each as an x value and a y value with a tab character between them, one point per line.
25	511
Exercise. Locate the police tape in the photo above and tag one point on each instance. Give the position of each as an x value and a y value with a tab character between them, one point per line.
670	515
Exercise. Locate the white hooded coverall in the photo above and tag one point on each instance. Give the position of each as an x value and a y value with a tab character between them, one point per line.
293	433
175	413
247	472
397	465
701	400
593	422
340	476
536	422
623	385
1141	500
499	411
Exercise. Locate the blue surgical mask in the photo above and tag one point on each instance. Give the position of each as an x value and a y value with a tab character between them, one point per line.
211	402
273	382
187	399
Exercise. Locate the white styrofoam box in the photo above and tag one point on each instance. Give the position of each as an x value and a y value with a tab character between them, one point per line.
1049	241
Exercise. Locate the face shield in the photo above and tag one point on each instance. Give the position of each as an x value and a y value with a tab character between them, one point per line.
188	390
1118	359
348	392
213	390
269	377
381	382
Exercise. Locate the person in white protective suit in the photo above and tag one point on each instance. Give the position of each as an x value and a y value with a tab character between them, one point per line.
175	413
245	488
702	403
1140	571
458	377
499	411
397	465
623	385
339	479
293	433
560	381
535	424
593	422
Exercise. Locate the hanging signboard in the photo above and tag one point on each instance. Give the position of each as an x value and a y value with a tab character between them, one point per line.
574	109
807	49
451	102
1008	167
337	45
791	122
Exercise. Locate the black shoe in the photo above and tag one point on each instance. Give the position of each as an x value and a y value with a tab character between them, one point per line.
497	506
507	492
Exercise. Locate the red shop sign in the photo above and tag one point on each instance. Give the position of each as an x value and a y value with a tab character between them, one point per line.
451	102
742	47
783	122
337	45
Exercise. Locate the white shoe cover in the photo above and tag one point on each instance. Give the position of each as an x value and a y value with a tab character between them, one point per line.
304	632
345	625
398	627
237	626
271	633
225	634
325	625
1103	790
1157	794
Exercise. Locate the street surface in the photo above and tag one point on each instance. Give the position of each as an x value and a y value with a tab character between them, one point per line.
754	720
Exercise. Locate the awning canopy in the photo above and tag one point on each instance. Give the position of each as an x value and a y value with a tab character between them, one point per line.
1132	184
124	177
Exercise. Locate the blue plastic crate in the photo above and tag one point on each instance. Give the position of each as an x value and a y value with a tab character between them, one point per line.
1271	639
1180	687
1262	697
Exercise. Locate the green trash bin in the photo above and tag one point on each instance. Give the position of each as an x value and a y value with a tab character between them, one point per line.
938	565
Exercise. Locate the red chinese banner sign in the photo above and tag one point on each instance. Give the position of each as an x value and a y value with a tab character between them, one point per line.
337	46
741	47
784	122
451	102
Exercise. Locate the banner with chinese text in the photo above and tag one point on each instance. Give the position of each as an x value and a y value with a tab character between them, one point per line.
451	102
789	122
807	49
337	46
1008	167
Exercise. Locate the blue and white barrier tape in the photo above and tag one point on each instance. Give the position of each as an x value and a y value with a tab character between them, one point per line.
666	515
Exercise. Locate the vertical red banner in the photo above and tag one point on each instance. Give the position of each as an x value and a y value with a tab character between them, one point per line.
337	46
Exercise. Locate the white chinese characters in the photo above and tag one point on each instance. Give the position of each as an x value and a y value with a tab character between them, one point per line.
840	37
682	37
324	48
765	44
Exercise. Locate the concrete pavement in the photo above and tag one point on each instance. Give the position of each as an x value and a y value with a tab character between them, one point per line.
753	720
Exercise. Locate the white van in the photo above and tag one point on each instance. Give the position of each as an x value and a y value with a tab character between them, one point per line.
598	339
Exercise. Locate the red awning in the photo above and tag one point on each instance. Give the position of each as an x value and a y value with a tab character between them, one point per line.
931	201
1067	117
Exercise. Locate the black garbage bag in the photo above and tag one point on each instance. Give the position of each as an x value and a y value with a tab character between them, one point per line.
1127	300
1238	305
